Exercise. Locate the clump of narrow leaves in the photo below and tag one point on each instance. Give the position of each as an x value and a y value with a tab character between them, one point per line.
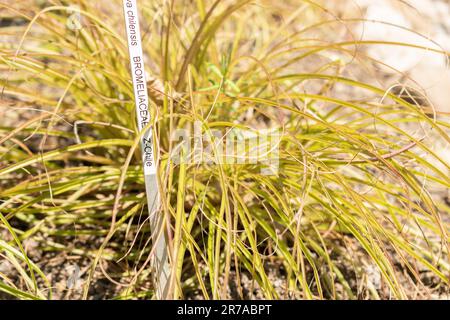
350	210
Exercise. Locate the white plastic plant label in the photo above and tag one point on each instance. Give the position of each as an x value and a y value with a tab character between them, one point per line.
139	84
160	260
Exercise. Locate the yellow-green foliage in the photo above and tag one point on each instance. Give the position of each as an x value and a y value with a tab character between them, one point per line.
353	186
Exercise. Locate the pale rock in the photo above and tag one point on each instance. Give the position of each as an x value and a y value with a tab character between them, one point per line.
435	82
428	70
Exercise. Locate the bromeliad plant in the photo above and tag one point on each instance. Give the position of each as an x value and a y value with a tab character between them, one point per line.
350	212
